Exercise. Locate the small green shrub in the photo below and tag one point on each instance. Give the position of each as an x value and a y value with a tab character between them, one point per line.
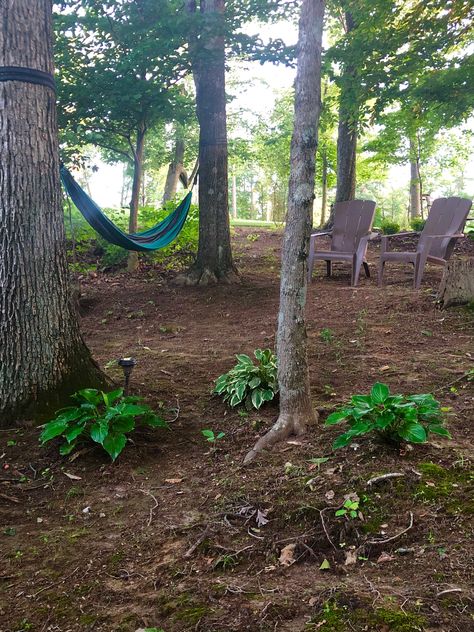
212	436
395	417
417	224
389	227
249	383
105	418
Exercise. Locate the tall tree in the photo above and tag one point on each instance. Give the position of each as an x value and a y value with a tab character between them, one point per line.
43	356
207	49
296	410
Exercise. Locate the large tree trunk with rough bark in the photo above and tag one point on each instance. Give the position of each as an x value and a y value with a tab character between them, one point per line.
457	284
415	180
296	410
214	258
136	188
347	130
43	358
324	187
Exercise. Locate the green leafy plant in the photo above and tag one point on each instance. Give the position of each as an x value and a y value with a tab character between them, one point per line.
417	224
105	418
249	383
396	418
211	436
326	334
389	227
350	509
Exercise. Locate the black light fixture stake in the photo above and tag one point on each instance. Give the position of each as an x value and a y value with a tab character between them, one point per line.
127	365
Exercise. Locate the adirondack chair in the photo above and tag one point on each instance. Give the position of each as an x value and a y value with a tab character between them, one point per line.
349	237
443	228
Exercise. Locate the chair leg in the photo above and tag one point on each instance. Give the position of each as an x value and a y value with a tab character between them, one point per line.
419	270
380	272
328	268
366	269
356	264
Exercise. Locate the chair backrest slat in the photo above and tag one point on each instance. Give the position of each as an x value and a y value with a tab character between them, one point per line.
447	216
352	221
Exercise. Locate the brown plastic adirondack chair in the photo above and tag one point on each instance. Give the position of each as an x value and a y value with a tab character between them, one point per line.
443	227
349	237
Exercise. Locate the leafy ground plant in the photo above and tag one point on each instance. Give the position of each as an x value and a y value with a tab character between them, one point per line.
212	436
249	383
106	418
396	418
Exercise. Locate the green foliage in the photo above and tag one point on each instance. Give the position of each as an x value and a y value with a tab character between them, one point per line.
418	223
105	418
211	436
396	418
250	383
389	227
350	509
326	334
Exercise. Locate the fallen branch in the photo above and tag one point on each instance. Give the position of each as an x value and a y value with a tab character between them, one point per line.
449	590
393	537
199	541
383	477
152	509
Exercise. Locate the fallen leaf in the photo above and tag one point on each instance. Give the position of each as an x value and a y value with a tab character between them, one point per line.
385	557
174	481
73	477
261	518
325	566
287	555
386	367
351	558
312	601
329	495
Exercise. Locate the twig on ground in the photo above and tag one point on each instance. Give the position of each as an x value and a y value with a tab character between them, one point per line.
393	537
152	509
449	590
199	541
321	511
383	477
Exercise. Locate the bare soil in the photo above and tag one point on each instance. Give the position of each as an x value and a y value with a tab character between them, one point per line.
174	534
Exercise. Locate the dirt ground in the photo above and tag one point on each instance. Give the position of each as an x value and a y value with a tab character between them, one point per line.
176	535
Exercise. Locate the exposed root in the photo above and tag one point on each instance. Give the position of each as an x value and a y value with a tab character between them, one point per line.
287	424
205	276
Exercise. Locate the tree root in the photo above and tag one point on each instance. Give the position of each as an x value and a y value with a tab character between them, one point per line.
287	424
205	276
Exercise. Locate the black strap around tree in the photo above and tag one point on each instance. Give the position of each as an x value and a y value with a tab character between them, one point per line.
28	75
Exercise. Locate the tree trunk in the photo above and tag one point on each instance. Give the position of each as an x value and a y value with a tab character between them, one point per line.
415	181
347	130
44	358
135	199
175	169
214	258
324	186
296	411
457	284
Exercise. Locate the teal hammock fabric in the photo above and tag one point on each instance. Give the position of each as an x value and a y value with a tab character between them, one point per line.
154	238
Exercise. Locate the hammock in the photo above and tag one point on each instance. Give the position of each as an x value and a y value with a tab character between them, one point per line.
154	238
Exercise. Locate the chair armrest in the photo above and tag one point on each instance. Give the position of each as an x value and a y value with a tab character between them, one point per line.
321	233
455	236
411	232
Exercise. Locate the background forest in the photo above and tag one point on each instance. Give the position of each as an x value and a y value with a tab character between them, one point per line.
396	107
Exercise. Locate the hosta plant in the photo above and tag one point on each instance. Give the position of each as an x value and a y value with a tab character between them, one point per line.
105	418
396	418
250	383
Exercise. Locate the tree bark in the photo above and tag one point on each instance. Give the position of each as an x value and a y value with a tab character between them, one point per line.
214	261
457	284
132	264
296	410
415	181
43	357
175	171
347	130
